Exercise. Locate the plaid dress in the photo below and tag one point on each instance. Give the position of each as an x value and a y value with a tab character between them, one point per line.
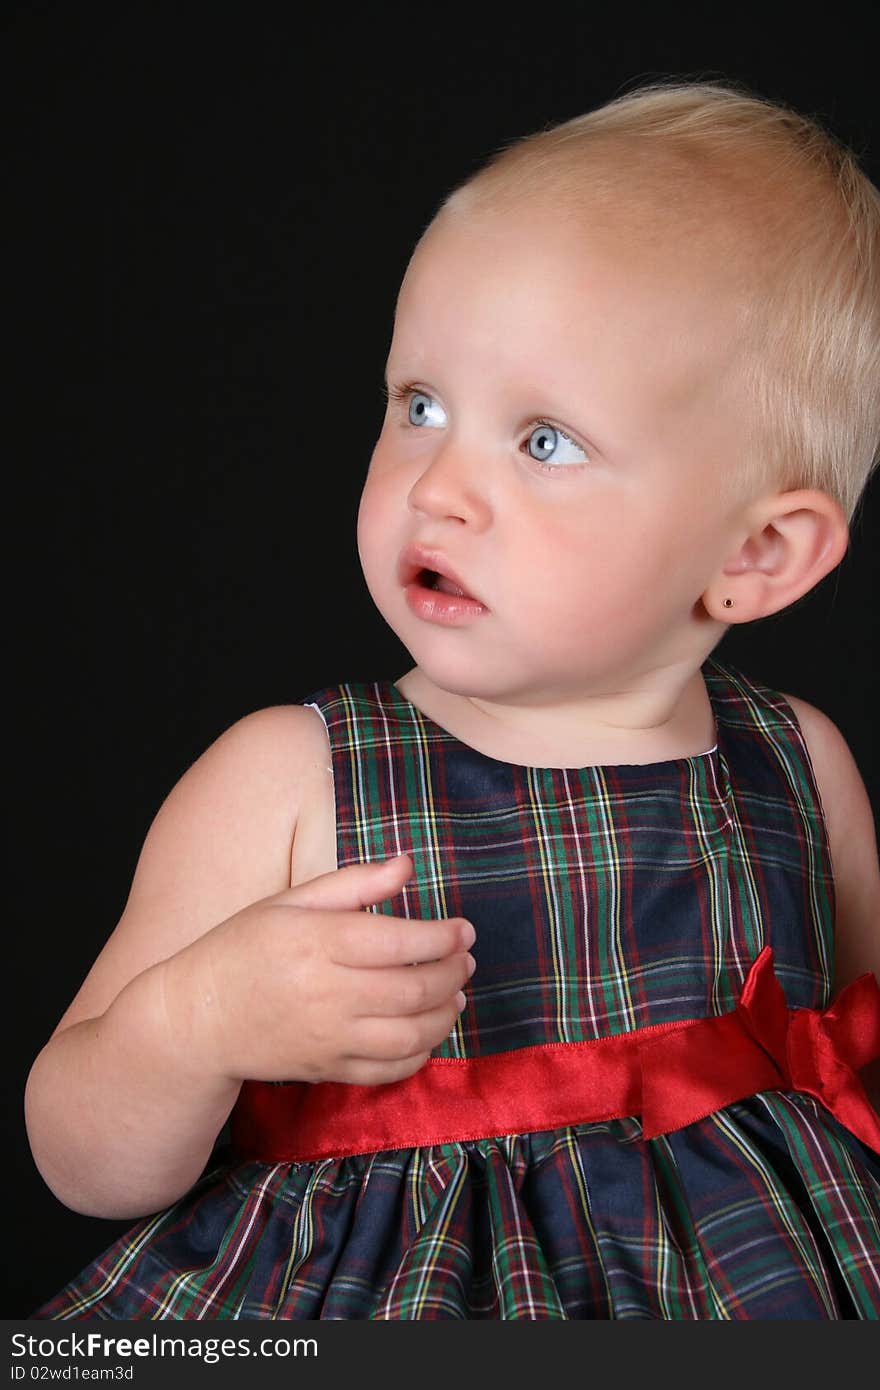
605	899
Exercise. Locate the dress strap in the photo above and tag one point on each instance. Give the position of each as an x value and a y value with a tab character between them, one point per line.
671	1074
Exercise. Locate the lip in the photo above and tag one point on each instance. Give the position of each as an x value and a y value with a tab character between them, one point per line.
433	605
417	558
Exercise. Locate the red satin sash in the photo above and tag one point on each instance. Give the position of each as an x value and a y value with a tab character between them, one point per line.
670	1074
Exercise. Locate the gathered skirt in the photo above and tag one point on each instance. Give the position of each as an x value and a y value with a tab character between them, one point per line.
766	1209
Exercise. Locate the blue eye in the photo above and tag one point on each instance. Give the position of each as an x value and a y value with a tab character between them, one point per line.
418	410
548	437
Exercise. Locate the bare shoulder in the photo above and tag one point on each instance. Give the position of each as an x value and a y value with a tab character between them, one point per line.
852	839
246	791
221	839
257	766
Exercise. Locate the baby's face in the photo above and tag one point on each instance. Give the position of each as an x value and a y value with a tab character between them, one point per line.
571	407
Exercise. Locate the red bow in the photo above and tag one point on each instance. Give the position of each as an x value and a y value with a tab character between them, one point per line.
764	1045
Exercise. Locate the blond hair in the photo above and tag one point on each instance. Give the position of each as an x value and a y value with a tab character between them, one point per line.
786	207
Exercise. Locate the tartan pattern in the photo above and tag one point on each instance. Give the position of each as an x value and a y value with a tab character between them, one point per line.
604	899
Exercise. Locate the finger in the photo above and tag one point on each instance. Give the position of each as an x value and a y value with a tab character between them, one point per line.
403	990
389	1039
361	1072
357	885
368	940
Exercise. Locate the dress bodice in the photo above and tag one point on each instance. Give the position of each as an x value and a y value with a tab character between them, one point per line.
604	898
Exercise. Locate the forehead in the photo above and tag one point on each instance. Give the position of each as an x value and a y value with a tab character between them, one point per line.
529	286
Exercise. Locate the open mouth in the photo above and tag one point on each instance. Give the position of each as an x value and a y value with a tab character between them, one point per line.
430	579
419	577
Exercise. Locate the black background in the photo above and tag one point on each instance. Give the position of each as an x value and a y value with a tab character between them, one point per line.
211	209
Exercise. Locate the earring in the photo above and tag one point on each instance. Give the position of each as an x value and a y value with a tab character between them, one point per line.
728	603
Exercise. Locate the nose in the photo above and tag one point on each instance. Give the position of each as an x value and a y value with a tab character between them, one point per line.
451	485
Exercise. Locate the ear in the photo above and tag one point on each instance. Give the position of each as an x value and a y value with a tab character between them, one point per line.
788	542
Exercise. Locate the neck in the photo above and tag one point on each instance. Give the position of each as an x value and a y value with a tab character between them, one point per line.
664	714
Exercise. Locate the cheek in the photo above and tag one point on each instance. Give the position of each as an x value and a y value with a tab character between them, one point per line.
365	520
585	550
372	514
381	533
598	572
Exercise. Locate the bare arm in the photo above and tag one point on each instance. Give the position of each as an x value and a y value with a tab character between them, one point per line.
853	845
119	1122
220	969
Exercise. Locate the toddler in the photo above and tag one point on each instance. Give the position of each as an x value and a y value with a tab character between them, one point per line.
540	982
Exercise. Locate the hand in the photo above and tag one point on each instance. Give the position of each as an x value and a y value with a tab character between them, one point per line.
307	986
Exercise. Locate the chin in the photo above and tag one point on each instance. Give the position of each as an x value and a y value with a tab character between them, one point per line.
443	669
456	674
